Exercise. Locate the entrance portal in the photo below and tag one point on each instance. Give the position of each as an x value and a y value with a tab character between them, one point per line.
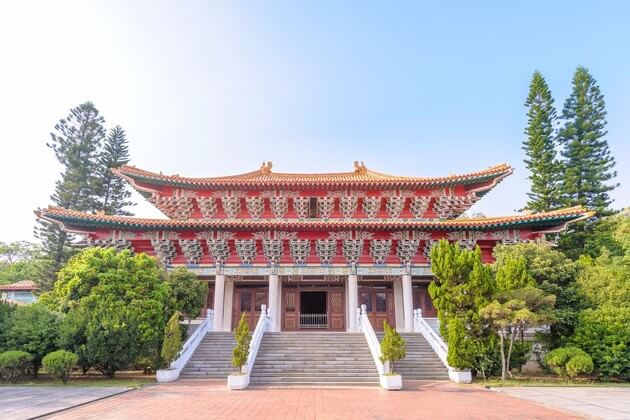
313	311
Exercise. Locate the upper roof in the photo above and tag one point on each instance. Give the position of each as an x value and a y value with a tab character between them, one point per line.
20	285
75	220
264	177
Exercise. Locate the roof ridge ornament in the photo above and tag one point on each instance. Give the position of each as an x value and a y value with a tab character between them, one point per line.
359	169
265	168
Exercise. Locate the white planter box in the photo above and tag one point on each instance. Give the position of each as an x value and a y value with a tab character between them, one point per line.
237	381
460	376
167	375
391	382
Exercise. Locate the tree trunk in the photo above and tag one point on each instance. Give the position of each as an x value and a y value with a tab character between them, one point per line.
509	355
503	374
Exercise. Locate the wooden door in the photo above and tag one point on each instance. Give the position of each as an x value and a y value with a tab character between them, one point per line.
290	309
422	300
248	301
379	305
336	309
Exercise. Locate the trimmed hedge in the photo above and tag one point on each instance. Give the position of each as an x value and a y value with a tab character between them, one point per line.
14	364
59	364
569	361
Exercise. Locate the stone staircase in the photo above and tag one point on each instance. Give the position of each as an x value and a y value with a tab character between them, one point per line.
314	359
212	358
421	362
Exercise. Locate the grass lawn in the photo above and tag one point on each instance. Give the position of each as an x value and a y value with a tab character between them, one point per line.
542	380
130	379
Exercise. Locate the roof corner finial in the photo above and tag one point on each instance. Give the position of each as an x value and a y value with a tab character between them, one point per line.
359	168
265	168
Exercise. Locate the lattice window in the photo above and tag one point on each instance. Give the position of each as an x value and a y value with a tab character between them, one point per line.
448	206
300	250
191	249
279	206
164	250
371	206
325	207
117	244
326	250
348	206
255	206
207	207
231	206
419	206
246	250
407	249
302	207
219	249
352	250
173	207
273	249
379	249
395	206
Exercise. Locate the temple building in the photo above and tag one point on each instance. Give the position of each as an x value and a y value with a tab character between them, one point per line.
311	247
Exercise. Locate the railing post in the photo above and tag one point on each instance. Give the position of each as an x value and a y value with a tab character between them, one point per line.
358	317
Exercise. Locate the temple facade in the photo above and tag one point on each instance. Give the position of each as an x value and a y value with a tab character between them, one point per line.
311	247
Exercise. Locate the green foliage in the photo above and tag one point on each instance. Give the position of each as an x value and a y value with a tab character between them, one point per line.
569	361
511	273
33	329
540	147
605	280
604	333
189	293
462	348
393	347
172	339
14	364
114	192
241	350
21	261
59	364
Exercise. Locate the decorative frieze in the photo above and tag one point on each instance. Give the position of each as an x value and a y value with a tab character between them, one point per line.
379	250
117	244
164	249
219	249
326	250
255	206
449	206
191	249
207	207
407	249
301	206
273	249
246	250
348	206
300	250
395	206
231	206
419	206
173	207
371	206
352	250
279	206
325	207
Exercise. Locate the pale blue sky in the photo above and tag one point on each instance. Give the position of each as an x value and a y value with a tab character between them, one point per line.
214	88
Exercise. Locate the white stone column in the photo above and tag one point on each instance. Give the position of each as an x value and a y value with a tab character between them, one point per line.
278	310
274	303
399	305
407	302
219	293
227	304
353	301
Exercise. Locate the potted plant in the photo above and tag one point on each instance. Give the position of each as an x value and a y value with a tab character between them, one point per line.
393	348
171	346
240	379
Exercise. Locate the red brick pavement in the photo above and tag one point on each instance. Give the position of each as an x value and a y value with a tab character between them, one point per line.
211	400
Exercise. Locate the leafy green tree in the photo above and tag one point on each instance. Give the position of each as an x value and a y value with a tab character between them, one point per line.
76	143
189	293
59	364
33	329
511	273
172	339
243	338
13	364
540	147
393	347
114	193
21	261
605	280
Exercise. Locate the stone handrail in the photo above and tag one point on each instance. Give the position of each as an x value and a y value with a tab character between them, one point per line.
370	336
257	336
435	341
193	341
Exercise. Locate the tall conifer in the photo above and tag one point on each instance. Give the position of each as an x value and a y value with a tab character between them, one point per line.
114	197
540	148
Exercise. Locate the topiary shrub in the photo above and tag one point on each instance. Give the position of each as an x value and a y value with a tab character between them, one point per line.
561	358
59	364
14	364
172	339
393	347
241	351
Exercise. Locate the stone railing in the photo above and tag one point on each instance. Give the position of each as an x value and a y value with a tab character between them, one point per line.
375	347
257	336
193	341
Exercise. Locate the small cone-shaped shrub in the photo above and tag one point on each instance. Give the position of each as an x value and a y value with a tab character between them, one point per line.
241	351
172	339
393	346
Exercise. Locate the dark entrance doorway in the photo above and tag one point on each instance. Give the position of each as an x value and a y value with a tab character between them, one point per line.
313	310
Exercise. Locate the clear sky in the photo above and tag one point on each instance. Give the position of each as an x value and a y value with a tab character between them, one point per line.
207	88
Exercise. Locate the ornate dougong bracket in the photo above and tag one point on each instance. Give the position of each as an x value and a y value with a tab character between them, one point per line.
325	207
164	250
419	206
207	206
379	250
300	250
301	206
348	206
395	206
279	206
371	206
352	250
219	249
255	206
231	206
407	250
246	250
273	250
326	250
192	250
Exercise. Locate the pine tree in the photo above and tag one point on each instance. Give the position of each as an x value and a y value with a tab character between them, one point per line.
76	142
114	192
588	164
540	148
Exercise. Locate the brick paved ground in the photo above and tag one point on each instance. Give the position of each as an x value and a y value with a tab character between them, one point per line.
201	399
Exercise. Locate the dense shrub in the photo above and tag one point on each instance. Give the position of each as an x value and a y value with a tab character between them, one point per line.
172	339
14	364
241	350
59	364
604	333
393	347
569	361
